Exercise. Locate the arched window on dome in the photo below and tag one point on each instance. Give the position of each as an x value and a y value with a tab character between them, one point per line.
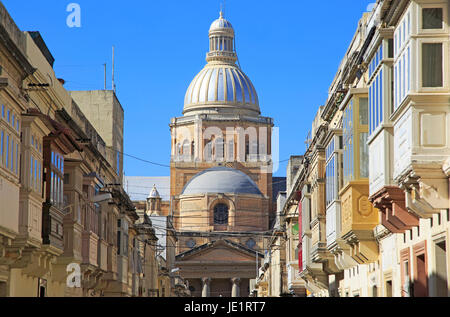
221	214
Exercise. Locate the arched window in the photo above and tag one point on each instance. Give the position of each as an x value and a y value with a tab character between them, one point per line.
221	214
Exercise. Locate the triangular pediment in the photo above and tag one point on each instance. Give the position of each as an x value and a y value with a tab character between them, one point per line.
219	251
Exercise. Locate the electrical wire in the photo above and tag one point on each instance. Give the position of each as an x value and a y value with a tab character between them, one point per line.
161	164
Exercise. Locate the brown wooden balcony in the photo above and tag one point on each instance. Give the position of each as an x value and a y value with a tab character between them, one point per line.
390	200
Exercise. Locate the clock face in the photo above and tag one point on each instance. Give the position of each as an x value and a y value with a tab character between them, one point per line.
191	243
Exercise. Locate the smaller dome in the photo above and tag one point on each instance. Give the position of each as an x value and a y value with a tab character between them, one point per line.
221	180
154	193
221	23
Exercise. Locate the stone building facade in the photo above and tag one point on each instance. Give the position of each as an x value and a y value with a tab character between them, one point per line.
66	227
373	190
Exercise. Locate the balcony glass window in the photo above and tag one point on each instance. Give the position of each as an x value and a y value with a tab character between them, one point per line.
7	152
56	182
1	145
363	155
432	65
348	143
402	76
331	173
355	133
363	111
432	18
17	159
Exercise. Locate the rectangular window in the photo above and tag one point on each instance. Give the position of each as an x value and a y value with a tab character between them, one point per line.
7	151
432	18
409	68
348	143
363	111
35	174
1	146
404	76
432	65
363	155
409	23
12	155
52	191
380	99
371	125
17	159
31	171
390	48
440	251
119	244
3	111
395	87
404	30
395	43
400	77
8	116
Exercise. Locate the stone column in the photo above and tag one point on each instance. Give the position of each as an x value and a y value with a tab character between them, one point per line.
235	290
205	287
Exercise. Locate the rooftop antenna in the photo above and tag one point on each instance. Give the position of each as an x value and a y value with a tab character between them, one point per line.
113	84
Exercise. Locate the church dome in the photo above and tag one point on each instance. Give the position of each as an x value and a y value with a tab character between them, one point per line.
221	86
154	193
221	23
221	180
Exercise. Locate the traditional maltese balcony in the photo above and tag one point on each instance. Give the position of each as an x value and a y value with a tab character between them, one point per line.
421	113
319	251
390	200
359	217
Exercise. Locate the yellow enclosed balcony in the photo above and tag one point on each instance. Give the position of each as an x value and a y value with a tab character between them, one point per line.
359	217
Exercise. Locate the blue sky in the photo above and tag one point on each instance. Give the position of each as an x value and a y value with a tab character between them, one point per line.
290	49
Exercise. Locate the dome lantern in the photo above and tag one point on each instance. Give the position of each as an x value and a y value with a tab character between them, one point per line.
154	202
221	41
